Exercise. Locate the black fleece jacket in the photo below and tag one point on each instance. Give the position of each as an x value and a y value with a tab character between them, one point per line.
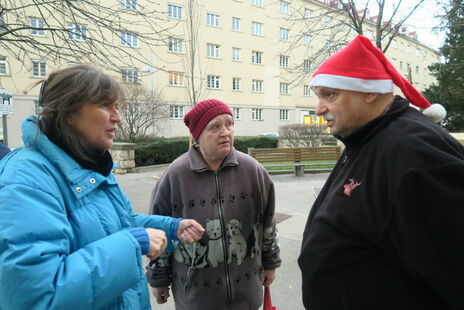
387	230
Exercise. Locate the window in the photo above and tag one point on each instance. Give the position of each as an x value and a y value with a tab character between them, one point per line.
236	112
213	81
176	112
257	28
128	39
257	86
176	45
176	78
306	90
128	4
417	69
369	34
394	43
307	65
235	54
401	64
283	34
327	45
341	26
418	51
256	57
212	50
3	66
308	40
212	19
284	88
425	71
401	46
77	32
37	27
393	62
256	114
174	11
283	7
408	49
39	68
284	115
284	61
37	107
235	24
2	23
130	75
307	13
257	2
236	83
328	21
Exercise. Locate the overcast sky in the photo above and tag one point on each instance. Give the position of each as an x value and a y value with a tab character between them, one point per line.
422	20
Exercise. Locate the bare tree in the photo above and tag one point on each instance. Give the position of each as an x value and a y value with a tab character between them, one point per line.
82	31
140	112
386	29
333	22
302	135
195	80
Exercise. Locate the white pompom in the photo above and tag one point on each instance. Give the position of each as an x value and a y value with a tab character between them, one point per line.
436	112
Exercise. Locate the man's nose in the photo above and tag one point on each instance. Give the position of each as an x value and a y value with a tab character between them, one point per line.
321	109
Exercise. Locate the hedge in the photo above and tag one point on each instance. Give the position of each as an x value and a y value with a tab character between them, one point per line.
165	150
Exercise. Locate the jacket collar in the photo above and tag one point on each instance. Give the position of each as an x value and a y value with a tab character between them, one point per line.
197	163
82	181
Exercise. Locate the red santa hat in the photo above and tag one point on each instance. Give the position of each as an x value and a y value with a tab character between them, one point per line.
362	67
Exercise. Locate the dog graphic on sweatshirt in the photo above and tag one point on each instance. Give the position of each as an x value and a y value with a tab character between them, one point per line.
215	250
237	243
192	255
257	226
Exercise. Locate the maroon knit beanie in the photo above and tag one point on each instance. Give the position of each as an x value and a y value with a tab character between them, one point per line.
198	117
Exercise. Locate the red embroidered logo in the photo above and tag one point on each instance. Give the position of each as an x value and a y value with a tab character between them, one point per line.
349	187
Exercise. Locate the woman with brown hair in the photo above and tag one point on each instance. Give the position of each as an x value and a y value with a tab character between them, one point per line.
69	237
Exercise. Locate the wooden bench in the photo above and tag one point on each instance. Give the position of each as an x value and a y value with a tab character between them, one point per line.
297	157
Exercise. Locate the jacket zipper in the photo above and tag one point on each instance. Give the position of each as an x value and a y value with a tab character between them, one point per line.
224	245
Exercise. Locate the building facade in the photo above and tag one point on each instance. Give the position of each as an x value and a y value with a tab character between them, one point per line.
255	55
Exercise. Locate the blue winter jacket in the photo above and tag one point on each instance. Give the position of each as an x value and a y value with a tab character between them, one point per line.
64	239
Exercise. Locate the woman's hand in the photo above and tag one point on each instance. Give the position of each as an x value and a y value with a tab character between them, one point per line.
189	231
158	242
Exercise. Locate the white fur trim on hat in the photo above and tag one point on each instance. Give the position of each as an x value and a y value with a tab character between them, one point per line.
436	112
353	84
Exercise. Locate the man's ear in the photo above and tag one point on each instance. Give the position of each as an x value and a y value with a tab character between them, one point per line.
371	97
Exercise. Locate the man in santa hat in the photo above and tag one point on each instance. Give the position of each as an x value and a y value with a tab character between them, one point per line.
387	229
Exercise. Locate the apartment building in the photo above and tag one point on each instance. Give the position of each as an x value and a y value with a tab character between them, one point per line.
255	55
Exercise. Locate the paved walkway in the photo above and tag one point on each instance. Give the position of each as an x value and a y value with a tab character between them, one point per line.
294	198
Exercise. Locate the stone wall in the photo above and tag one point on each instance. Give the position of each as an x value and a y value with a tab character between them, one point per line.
123	155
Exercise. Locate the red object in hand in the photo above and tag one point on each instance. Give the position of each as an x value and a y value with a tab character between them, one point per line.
267	300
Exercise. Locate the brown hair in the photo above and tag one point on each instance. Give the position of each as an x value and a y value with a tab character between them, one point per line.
64	93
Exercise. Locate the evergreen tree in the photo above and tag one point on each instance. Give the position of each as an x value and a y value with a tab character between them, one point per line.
449	90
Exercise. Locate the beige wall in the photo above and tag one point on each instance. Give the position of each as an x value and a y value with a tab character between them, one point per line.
270	100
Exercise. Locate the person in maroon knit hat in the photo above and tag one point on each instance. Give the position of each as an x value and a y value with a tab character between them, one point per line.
232	196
